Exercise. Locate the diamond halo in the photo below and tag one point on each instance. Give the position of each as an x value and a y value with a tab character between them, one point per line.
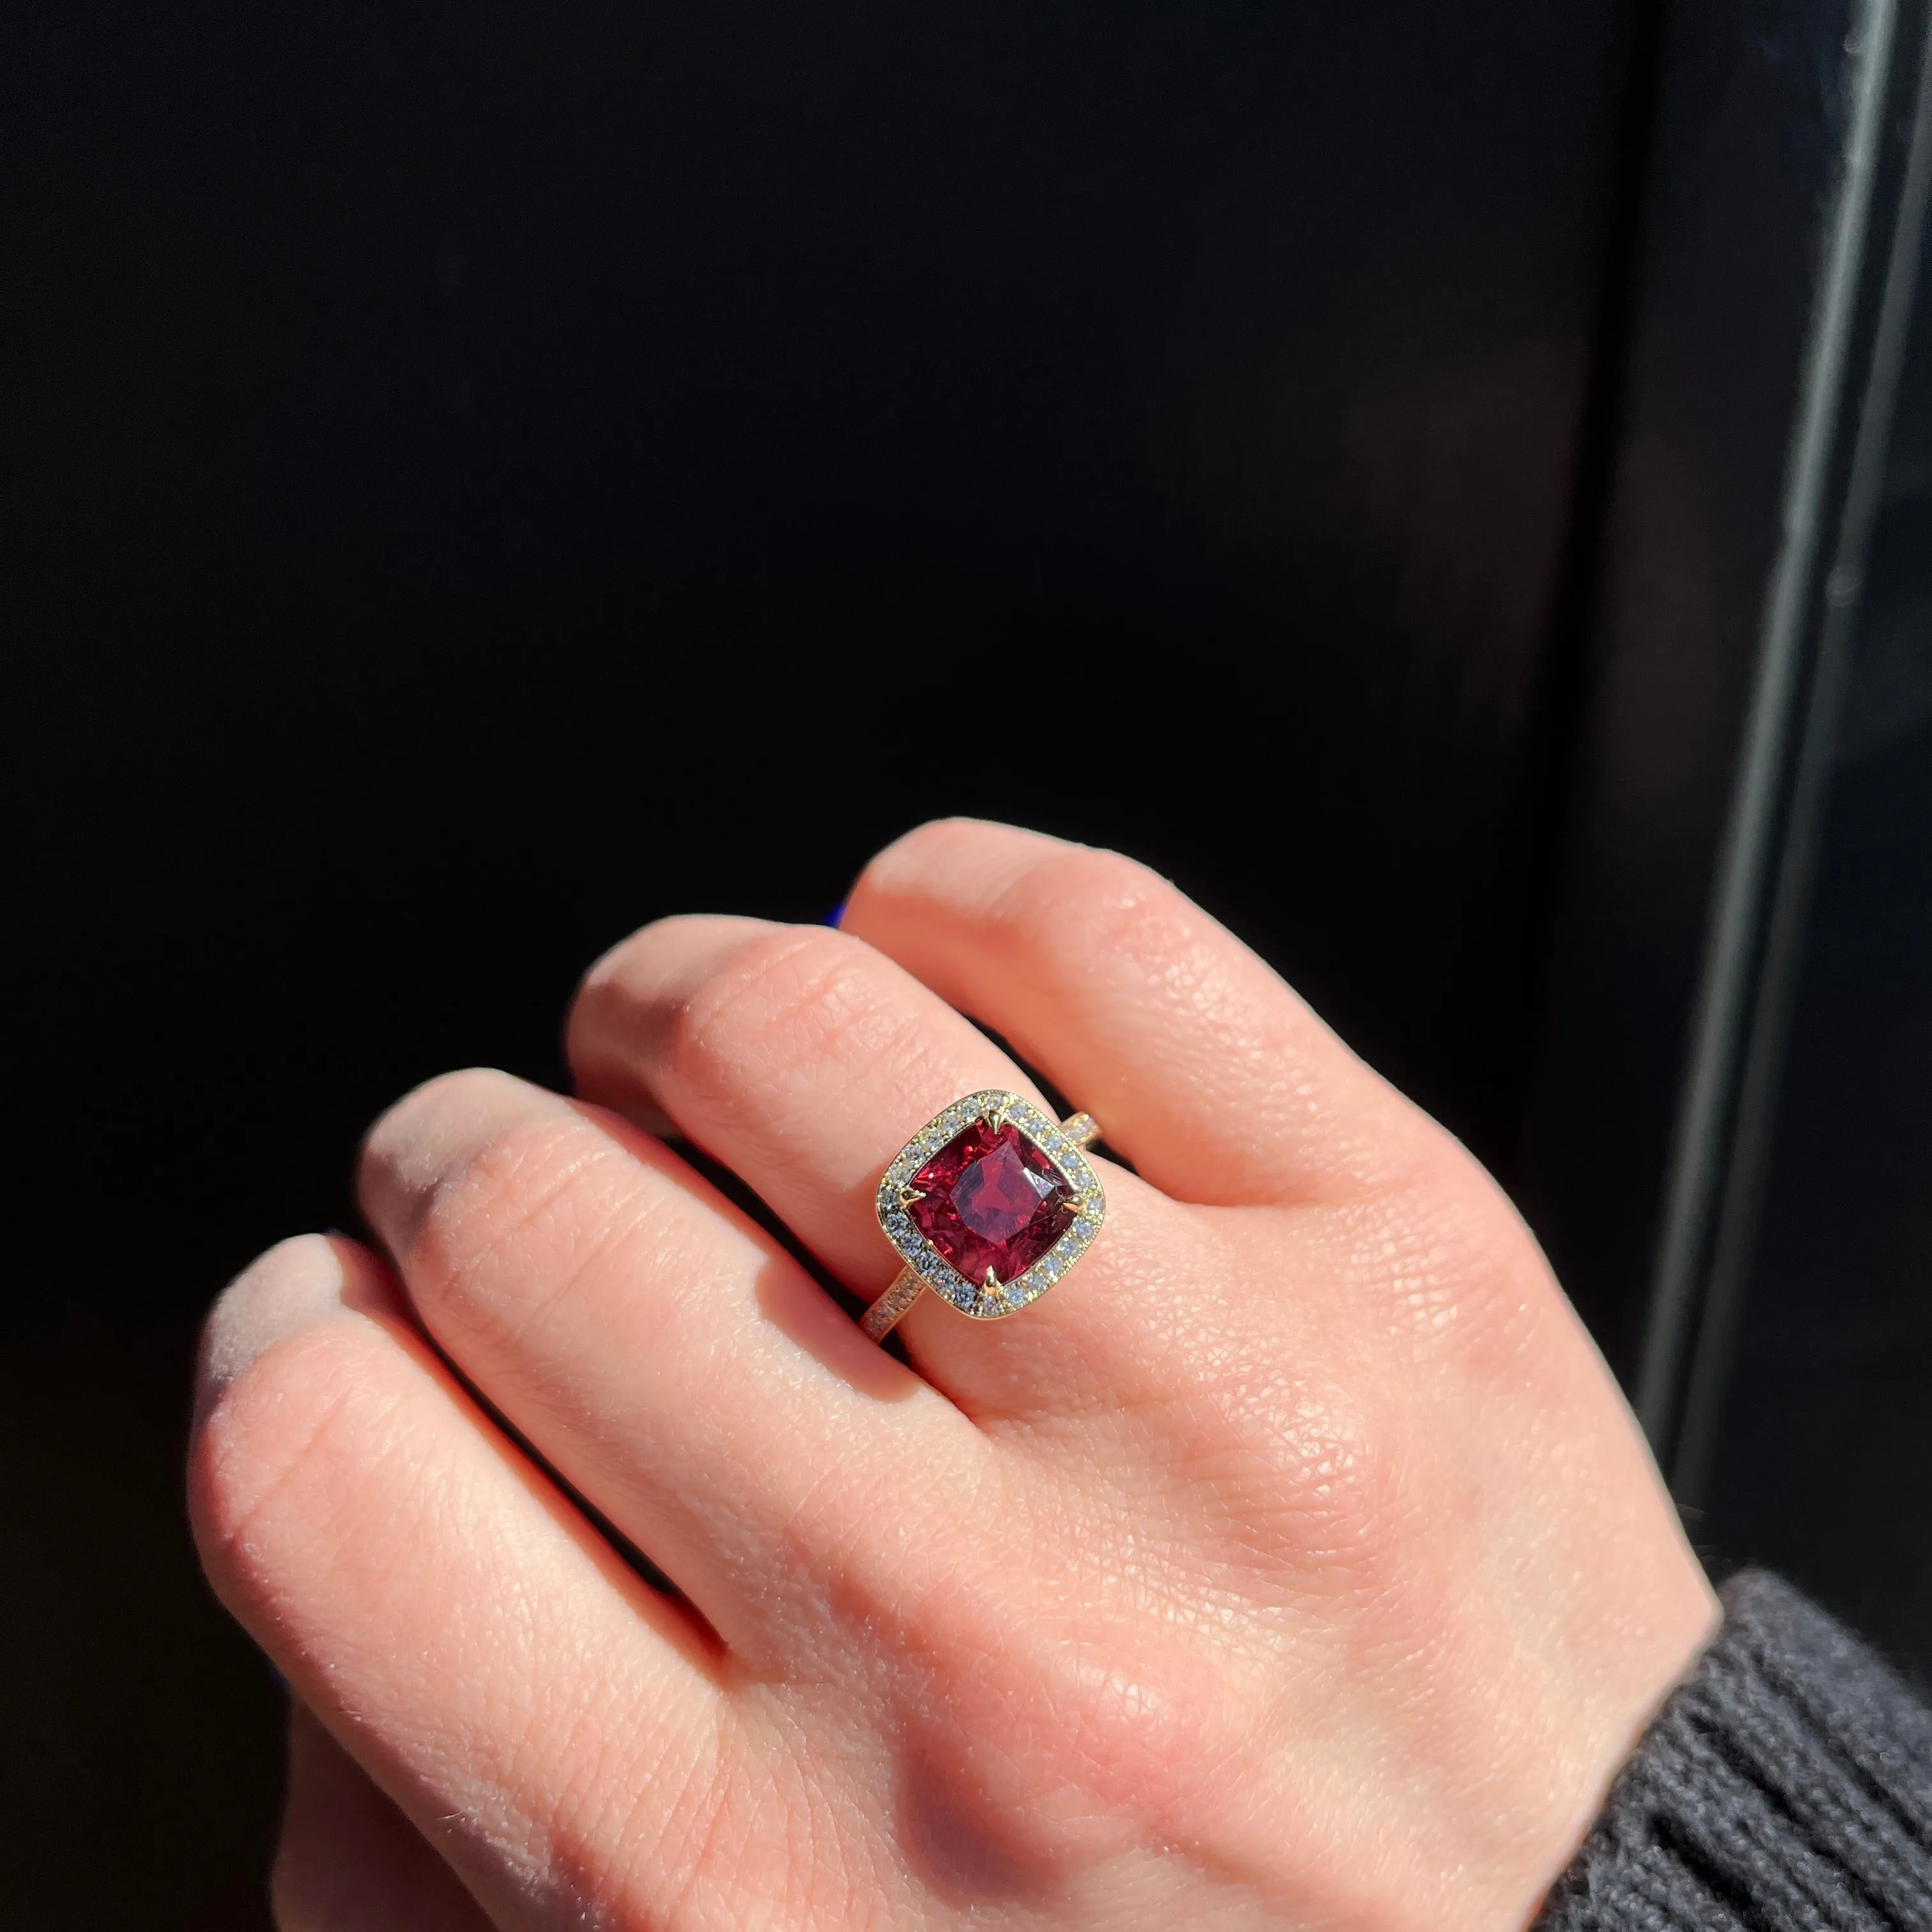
989	1300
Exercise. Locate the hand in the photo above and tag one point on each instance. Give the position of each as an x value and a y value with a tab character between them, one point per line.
1294	1562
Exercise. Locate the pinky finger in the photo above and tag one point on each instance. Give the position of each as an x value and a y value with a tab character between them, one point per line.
349	1861
450	1617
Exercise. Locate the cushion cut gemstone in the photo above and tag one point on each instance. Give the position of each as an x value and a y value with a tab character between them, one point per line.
992	1200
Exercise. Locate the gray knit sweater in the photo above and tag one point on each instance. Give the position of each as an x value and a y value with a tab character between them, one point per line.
1786	1786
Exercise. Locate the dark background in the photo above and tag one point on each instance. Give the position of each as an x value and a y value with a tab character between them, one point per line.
1823	1458
474	479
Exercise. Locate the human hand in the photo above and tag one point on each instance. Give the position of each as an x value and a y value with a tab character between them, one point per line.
1295	1562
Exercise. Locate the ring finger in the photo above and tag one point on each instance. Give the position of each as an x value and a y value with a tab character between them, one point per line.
804	1060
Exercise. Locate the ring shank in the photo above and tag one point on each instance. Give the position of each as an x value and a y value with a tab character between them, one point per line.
883	1317
885	1314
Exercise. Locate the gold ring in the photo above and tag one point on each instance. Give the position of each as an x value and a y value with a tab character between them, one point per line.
989	1205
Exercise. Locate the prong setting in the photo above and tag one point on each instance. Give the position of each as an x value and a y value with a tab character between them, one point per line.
991	1298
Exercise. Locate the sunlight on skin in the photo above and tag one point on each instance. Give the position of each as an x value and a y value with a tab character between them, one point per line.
1295	1562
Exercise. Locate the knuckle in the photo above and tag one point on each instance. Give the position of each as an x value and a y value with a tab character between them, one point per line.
469	1093
1035	886
417	1147
1090	903
280	1427
1338	1466
1301	1481
932	848
1458	1275
513	1221
704	1841
781	999
1038	1739
1034	1748
270	1378
297	1278
624	992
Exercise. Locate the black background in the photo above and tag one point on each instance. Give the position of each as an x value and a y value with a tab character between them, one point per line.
474	479
1824	1461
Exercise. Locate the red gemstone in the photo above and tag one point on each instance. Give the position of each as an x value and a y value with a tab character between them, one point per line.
992	1201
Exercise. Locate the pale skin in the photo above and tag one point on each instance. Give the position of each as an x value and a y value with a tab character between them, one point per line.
1294	1562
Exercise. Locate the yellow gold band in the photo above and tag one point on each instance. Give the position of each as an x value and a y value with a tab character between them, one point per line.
883	1317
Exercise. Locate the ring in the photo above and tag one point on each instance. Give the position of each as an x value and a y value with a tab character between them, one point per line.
989	1205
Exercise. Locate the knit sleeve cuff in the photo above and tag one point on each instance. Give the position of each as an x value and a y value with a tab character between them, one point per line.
1787	1783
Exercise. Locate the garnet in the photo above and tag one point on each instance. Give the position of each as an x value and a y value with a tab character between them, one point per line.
992	1200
